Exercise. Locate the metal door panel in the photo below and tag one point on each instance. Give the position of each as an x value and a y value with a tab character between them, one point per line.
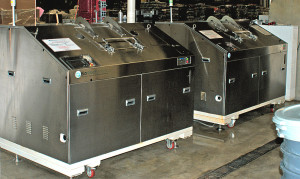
171	110
242	84
104	123
272	76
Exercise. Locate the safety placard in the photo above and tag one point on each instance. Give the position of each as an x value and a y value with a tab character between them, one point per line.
211	34
61	44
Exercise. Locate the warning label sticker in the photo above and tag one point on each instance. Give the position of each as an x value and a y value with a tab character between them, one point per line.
61	44
211	34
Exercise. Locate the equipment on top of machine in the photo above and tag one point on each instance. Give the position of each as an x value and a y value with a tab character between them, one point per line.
239	66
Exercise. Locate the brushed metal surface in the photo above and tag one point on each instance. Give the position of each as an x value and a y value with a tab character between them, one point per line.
45	107
172	109
243	93
26	98
220	59
109	124
271	84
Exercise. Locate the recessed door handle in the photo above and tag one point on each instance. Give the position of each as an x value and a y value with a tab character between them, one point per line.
186	90
82	112
205	60
11	73
151	97
264	73
254	75
231	80
130	102
47	80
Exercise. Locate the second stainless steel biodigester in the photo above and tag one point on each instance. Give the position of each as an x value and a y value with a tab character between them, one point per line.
239	66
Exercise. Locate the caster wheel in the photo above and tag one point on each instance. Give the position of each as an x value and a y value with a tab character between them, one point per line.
170	144
231	124
90	173
272	110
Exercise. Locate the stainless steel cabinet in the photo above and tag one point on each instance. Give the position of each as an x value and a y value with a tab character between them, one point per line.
101	115
167	102
242	84
272	76
75	92
239	66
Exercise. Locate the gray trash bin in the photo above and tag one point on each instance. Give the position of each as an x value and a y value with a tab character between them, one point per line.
287	122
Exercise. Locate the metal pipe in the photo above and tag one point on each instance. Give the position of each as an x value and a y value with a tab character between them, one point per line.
13	16
171	10
13	5
171	14
35	13
96	16
130	11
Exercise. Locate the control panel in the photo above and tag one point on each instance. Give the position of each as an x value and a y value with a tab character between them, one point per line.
83	61
184	61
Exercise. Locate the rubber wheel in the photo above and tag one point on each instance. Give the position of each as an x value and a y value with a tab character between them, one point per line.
91	174
230	125
172	146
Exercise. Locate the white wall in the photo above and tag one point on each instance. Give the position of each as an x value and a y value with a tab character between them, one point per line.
287	12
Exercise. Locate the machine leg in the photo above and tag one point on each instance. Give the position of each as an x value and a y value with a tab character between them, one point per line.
90	172
171	144
17	160
220	129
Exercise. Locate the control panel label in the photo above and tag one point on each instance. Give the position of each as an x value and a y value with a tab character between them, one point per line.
61	44
184	61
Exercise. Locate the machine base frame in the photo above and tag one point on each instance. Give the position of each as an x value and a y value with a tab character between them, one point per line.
224	120
72	170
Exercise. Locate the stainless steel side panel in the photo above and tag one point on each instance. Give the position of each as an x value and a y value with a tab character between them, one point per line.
33	113
272	76
170	108
209	76
112	121
7	101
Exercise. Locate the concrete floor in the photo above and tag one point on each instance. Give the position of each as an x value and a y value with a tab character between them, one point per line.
194	156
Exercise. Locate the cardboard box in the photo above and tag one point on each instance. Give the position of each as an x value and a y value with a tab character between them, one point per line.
23	17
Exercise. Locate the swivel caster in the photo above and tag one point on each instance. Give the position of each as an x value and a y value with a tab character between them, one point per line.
90	172
231	124
272	110
171	144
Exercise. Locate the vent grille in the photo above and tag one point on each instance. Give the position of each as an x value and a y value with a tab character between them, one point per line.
28	127
45	133
14	123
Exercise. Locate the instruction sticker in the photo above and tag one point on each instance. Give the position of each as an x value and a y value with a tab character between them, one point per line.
61	44
211	34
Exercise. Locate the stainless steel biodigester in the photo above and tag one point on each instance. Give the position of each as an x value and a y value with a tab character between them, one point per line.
239	66
73	95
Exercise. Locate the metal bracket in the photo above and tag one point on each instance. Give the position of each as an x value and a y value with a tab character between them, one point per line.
87	27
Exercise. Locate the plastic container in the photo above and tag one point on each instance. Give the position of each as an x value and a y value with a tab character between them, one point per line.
287	122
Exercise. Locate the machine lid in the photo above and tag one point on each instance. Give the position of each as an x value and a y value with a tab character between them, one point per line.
287	122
